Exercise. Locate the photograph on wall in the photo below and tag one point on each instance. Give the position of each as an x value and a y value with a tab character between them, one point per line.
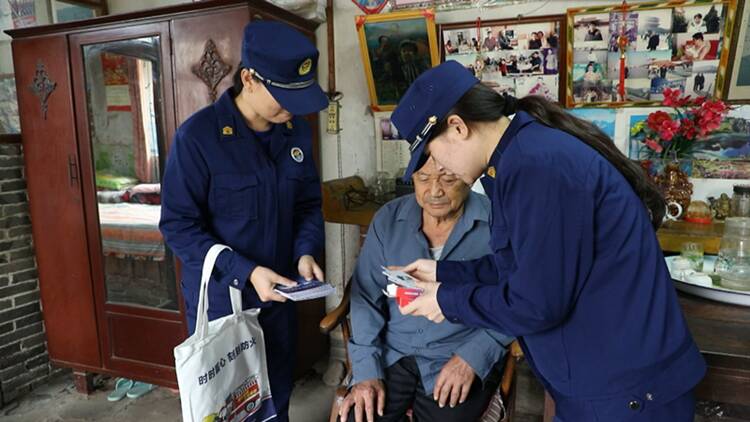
725	153
637	89
590	82
551	61
698	46
640	64
731	141
703	19
603	118
23	13
530	36
396	48
501	84
591	31
542	85
387	130
738	86
500	54
702	81
654	30
623	24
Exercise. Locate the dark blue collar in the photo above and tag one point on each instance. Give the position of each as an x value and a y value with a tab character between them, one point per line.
230	121
232	124
520	120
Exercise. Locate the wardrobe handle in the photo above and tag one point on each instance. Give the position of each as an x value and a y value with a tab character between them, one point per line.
72	170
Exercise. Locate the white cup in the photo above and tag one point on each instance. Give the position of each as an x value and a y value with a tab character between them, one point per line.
673	217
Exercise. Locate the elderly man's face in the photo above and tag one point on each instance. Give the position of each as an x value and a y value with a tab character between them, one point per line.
438	191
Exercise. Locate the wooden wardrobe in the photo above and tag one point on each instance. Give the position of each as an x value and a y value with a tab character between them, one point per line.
99	102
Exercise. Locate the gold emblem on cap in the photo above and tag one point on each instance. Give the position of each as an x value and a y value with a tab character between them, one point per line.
227	131
305	67
289	125
491	171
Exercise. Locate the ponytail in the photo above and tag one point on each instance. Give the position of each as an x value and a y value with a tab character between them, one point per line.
483	104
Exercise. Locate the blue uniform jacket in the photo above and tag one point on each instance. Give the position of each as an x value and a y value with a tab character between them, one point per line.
221	186
578	274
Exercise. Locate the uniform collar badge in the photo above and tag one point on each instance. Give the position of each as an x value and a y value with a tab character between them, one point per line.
297	154
491	171
305	67
227	131
289	125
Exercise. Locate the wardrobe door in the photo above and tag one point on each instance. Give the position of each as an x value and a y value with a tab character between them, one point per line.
55	199
123	98
206	54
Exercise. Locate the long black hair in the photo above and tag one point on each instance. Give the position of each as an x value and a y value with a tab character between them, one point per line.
483	104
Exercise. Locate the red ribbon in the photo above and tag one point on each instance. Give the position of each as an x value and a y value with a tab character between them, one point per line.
623	44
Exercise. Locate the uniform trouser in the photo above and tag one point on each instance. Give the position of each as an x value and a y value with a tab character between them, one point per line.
404	391
681	409
279	323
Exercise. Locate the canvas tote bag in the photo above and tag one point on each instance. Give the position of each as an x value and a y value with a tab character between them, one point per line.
221	368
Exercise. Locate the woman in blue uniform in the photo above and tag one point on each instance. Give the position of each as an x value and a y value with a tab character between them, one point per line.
577	273
240	172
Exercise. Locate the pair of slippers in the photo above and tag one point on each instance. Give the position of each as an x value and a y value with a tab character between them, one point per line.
131	389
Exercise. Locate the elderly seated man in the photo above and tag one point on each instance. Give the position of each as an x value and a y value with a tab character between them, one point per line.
443	372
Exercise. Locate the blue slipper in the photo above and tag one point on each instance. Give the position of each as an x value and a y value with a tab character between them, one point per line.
139	389
122	386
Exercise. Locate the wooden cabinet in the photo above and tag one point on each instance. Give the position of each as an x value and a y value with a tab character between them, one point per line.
99	102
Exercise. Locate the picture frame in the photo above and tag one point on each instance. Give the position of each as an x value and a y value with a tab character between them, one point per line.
737	87
396	48
682	44
512	61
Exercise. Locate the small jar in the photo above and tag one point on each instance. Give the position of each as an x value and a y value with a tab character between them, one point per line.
740	201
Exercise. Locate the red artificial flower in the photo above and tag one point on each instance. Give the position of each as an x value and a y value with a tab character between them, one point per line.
662	123
674	98
654	145
709	116
698	101
688	129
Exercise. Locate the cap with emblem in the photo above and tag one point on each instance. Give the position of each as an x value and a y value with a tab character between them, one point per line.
286	62
426	103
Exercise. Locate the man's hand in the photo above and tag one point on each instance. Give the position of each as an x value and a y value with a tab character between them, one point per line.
265	280
365	396
454	382
309	269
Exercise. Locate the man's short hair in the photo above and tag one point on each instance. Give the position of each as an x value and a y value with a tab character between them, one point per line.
698	36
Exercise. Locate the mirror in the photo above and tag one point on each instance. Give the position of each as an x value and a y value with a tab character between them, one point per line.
124	102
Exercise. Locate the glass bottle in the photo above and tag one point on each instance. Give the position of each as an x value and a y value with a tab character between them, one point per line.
733	262
740	201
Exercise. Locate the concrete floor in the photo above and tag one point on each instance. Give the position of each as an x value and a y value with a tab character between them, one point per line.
59	402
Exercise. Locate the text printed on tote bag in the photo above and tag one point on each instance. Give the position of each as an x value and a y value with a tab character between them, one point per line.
231	355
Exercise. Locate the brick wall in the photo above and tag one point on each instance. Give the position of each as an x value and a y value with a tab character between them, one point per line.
24	362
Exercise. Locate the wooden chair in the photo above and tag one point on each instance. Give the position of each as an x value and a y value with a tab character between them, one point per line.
340	317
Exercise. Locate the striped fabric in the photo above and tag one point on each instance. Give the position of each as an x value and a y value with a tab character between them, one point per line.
131	230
